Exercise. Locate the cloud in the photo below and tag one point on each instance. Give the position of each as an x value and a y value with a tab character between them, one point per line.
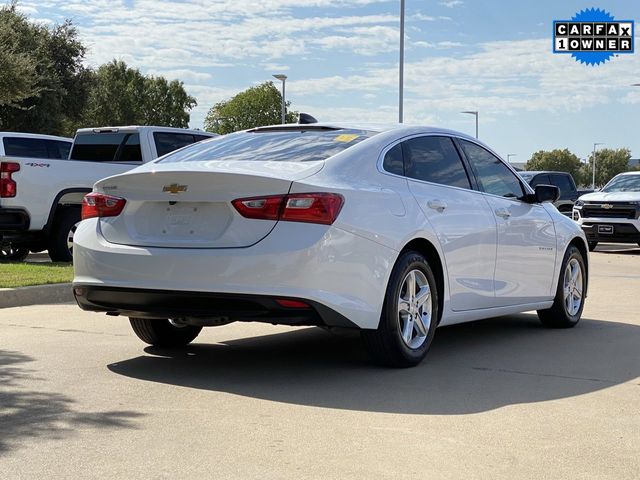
452	3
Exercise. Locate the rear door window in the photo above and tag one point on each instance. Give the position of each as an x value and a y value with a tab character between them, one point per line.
58	149
107	147
25	147
434	159
167	142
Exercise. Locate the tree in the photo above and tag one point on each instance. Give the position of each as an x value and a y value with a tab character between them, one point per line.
123	96
254	107
555	160
609	163
44	88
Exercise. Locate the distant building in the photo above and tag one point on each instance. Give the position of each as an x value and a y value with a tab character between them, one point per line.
519	166
634	162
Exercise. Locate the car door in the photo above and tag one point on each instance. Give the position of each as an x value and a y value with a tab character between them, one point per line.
526	251
462	221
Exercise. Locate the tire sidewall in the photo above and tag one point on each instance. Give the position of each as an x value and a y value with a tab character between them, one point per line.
572	252
389	321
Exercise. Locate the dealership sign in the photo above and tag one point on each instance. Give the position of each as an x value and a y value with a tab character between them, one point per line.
593	36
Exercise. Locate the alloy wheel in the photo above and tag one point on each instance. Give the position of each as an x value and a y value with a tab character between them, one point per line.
414	309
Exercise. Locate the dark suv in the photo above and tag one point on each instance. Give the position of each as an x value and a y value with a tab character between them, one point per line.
563	180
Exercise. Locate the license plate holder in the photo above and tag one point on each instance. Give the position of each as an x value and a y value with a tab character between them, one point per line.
605	229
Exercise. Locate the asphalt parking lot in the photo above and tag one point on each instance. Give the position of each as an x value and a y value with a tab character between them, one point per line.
80	397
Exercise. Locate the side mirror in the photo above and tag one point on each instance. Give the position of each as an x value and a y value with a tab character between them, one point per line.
546	193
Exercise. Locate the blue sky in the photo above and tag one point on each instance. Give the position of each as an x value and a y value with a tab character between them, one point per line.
341	57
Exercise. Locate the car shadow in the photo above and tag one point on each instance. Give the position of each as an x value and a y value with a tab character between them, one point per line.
471	368
29	413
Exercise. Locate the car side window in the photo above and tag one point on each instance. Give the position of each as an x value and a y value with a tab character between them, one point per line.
562	182
540	180
493	175
167	142
393	161
57	149
434	159
25	147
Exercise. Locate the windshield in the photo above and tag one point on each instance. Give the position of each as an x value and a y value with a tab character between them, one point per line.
623	183
285	145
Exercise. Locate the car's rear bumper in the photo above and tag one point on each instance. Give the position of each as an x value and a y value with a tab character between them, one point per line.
327	267
13	220
205	306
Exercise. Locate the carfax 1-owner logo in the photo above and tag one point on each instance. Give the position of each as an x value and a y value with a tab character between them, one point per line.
593	36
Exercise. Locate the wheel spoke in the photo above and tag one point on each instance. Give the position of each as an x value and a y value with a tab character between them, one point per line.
423	295
407	330
411	285
420	325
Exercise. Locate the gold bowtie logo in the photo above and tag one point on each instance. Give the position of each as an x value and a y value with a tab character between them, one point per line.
174	188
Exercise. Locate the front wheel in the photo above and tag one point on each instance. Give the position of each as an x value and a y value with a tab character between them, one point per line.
9	253
409	315
163	333
569	300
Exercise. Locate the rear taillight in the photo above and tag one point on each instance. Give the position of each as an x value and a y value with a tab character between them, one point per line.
101	205
8	186
322	208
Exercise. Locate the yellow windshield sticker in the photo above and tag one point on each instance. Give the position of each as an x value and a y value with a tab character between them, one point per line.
346	137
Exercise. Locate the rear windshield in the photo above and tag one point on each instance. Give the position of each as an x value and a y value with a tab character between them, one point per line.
624	183
107	147
275	146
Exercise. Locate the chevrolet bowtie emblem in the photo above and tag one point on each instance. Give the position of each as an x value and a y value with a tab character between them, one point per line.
607	206
174	188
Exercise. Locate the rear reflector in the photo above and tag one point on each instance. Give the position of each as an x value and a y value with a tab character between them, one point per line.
283	302
101	205
8	186
322	208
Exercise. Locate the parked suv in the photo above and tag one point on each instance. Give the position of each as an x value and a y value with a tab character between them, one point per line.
563	180
28	146
40	200
613	213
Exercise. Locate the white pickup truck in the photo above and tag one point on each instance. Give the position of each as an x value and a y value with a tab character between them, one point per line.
40	198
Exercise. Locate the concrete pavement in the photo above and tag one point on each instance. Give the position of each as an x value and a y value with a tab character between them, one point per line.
80	397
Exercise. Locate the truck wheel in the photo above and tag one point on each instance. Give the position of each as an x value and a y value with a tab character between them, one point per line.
592	246
60	244
409	315
9	253
572	287
163	333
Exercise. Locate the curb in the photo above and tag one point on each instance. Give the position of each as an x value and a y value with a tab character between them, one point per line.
36	295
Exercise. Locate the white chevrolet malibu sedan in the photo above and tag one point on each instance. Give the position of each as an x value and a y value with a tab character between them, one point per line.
391	230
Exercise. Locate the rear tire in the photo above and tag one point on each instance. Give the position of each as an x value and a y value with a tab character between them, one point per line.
9	253
592	246
572	286
60	245
162	333
409	315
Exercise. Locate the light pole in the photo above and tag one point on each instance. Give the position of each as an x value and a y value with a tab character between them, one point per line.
509	155
401	72
593	180
282	77
473	112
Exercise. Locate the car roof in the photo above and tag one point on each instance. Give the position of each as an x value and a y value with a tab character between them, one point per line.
141	128
637	172
34	135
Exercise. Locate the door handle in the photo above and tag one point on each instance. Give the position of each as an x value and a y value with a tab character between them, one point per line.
438	205
503	213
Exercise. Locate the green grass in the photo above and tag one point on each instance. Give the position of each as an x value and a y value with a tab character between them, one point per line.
24	274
